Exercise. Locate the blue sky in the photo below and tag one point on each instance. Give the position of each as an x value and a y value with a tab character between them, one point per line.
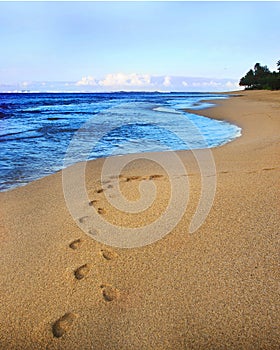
105	46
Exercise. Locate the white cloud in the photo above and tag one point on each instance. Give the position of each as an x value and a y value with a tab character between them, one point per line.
121	79
167	81
129	82
87	81
25	83
206	83
232	84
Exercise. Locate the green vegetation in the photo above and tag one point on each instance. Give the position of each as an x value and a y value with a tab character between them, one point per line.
261	78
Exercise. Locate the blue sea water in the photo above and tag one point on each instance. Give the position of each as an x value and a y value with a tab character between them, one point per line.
36	129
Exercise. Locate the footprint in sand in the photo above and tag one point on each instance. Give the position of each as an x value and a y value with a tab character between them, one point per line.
152	177
109	293
82	271
63	324
108	254
267	169
75	244
101	211
83	219
131	178
92	232
91	203
100	191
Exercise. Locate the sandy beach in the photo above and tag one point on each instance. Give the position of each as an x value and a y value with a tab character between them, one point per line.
217	288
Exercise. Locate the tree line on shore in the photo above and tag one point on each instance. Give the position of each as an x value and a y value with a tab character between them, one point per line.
261	78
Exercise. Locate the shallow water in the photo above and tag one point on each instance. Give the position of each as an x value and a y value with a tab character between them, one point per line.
36	129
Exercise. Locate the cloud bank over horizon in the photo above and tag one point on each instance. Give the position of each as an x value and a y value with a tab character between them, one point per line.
127	82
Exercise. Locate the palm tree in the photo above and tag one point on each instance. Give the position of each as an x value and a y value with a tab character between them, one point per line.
278	65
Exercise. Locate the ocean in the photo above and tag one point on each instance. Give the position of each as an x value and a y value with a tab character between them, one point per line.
36	129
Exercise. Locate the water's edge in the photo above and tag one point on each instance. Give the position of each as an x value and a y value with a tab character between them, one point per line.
177	109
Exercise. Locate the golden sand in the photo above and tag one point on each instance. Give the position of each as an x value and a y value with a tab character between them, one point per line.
217	288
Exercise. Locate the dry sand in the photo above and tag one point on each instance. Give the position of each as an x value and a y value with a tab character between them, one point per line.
217	288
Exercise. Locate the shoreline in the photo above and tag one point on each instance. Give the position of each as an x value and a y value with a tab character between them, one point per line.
16	185
216	288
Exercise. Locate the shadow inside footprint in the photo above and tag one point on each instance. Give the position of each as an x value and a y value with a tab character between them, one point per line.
81	271
109	293
63	324
266	169
83	219
108	254
75	244
131	178
152	177
101	211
